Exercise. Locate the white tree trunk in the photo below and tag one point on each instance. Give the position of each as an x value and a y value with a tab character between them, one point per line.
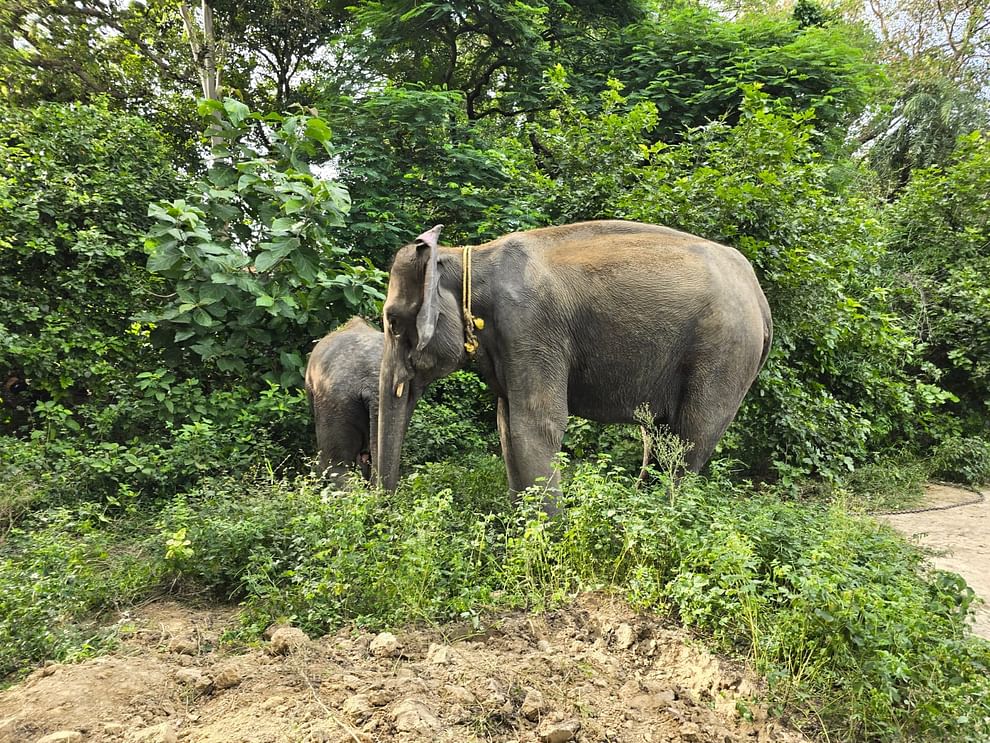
203	45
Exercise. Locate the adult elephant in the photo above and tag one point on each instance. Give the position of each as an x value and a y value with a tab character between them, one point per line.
342	386
592	319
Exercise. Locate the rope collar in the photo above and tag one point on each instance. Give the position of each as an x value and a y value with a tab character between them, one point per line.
470	321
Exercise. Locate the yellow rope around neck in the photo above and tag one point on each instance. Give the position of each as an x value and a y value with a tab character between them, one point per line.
470	321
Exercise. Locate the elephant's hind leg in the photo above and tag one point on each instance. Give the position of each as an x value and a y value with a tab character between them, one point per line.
340	445
706	411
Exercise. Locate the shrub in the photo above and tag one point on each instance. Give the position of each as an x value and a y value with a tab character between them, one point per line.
889	484
963	459
938	234
455	418
133	448
255	268
295	549
75	182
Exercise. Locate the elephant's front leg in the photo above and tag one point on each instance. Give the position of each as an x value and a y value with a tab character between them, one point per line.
505	439
372	436
531	433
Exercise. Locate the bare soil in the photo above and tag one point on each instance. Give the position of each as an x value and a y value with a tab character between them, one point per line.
595	671
959	537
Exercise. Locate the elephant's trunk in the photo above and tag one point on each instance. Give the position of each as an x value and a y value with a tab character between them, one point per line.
396	401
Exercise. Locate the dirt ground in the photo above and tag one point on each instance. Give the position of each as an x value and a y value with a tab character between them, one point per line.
596	672
960	538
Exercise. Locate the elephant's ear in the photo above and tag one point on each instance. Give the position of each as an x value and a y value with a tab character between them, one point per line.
429	311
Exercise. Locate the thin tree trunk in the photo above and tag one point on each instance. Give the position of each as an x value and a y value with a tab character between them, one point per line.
211	71
203	45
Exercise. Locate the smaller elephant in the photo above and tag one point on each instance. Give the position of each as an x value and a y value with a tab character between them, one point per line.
342	386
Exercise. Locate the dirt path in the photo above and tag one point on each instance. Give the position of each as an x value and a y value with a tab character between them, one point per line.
960	536
593	672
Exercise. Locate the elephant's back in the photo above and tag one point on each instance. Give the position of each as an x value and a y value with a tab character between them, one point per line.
346	359
640	305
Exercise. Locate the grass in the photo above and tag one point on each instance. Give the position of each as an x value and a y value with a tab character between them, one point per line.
889	485
855	631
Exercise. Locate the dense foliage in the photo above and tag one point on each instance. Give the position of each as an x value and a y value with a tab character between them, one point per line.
939	243
75	183
251	253
167	261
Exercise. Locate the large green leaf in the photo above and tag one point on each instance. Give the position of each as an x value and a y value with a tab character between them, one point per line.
236	110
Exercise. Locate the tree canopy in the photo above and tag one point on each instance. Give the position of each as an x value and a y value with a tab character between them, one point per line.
244	225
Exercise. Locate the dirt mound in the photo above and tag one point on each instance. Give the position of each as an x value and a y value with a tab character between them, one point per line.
595	671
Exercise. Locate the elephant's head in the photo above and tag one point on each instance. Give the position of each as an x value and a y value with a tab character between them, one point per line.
424	341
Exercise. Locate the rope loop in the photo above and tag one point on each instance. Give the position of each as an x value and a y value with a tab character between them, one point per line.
470	321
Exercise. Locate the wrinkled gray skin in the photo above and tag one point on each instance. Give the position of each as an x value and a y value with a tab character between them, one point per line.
342	386
591	319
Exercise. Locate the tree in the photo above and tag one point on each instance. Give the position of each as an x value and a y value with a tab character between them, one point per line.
931	38
146	56
67	51
75	182
691	64
921	128
410	159
286	42
937	57
250	252
494	52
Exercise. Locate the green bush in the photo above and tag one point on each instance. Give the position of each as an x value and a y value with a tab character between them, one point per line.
889	484
250	255
410	159
455	418
938	234
297	550
963	459
75	182
845	618
584	439
132	449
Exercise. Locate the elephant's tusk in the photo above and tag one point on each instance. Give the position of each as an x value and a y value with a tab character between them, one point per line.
399	389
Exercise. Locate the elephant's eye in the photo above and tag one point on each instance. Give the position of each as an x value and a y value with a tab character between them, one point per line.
394	325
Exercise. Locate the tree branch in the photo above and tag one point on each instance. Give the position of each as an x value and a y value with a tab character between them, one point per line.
473	94
117	24
61	65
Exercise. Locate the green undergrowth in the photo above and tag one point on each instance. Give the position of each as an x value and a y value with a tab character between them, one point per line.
855	630
858	635
62	572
